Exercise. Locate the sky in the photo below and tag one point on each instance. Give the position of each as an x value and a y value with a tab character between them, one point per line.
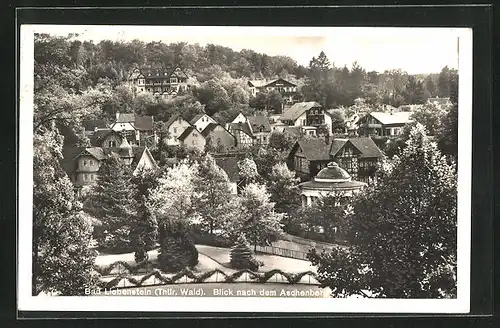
414	50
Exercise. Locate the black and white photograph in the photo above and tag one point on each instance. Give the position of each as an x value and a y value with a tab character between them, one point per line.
245	168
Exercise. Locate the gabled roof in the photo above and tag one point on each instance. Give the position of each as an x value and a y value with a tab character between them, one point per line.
186	132
263	83
196	118
209	128
256	122
297	110
294	130
97	153
230	166
337	145
315	149
90	125
392	118
367	147
98	136
125	118
244	127
143	123
172	119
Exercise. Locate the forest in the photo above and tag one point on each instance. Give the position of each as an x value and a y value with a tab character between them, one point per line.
95	74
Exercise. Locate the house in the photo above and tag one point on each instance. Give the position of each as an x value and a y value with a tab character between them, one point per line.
230	166
261	129
82	164
160	82
358	156
307	114
351	124
136	128
218	138
288	90
243	134
201	121
441	102
384	123
192	138
106	139
91	126
307	157
175	127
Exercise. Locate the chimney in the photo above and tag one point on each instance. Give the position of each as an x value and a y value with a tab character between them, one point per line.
117	115
327	138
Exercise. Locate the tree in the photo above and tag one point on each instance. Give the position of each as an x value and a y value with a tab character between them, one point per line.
144	230
282	186
241	256
112	202
62	258
213	96
177	251
282	141
430	86
239	95
443	85
213	192
274	101
257	219
172	199
265	158
259	101
402	230
248	171
414	91
430	116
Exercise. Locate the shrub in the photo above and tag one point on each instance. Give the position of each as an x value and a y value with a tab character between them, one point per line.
242	257
177	251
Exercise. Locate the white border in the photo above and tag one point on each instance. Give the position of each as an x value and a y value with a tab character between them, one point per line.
26	302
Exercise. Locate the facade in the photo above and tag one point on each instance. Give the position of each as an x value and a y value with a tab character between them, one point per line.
219	138
359	156
175	126
261	129
243	134
192	138
383	123
331	180
307	114
83	164
288	90
201	121
160	82
136	128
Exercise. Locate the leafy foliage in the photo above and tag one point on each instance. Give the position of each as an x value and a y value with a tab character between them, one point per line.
62	258
177	251
402	230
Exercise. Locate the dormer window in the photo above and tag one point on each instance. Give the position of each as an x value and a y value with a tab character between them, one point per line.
179	120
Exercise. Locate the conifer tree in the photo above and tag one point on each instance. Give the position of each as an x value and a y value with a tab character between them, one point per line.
113	204
241	256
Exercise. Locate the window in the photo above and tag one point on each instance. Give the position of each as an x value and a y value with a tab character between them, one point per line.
194	135
91	162
85	163
303	122
84	177
91	177
179	119
175	130
192	142
111	143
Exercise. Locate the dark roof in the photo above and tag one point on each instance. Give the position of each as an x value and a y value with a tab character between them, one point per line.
230	166
242	127
209	128
259	121
295	130
172	119
98	136
196	118
441	101
162	73
315	149
367	147
298	109
144	123
337	145
186	132
97	153
125	118
90	125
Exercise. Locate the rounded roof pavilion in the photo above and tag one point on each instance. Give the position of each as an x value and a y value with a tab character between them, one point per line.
332	178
